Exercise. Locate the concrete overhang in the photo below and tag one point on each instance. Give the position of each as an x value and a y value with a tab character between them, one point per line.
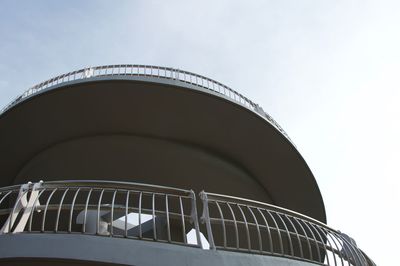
154	130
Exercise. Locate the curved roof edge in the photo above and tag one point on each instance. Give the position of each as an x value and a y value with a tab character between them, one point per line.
148	71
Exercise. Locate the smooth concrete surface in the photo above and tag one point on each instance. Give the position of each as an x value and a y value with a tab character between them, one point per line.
145	160
152	130
63	249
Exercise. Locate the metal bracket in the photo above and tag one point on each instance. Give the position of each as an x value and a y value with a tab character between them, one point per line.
25	204
205	218
194	219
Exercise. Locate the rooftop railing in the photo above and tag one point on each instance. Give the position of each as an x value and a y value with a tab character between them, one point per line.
148	71
163	214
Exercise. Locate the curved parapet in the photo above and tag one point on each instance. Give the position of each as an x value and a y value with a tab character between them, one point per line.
153	125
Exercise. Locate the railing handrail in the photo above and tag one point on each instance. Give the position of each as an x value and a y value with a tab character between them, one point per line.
104	184
120	185
238	200
146	71
10	188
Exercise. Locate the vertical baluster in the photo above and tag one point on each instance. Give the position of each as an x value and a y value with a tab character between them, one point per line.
153	205
86	208
112	213
167	216
72	210
140	215
98	212
59	210
182	220
45	209
126	214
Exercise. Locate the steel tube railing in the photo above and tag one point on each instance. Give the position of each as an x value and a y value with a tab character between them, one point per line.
164	214
298	236
115	209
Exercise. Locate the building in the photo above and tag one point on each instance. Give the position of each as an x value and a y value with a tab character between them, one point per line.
146	165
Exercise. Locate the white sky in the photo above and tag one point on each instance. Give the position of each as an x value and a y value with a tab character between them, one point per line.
327	71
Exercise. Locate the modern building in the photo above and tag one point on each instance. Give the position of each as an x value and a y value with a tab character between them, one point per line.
147	165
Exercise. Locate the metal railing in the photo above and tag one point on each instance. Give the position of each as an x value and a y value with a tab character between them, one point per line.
114	209
148	71
163	214
238	224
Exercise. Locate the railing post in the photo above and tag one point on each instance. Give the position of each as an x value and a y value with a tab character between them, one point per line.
205	218
195	218
173	73
88	72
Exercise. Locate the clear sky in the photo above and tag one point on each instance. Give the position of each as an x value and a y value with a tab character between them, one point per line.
327	71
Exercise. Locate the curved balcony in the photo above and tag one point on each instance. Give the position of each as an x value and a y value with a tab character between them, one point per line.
162	214
148	71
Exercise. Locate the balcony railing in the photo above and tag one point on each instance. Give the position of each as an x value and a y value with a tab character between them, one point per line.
113	209
244	225
148	71
163	214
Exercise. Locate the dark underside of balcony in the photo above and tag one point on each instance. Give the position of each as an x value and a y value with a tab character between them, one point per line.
157	131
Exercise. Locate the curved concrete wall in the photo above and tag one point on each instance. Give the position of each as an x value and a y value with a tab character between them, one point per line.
141	159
